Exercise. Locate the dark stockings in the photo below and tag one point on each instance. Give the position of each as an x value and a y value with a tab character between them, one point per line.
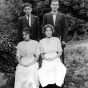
51	86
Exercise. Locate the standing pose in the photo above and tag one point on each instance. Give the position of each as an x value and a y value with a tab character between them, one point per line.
58	21
30	21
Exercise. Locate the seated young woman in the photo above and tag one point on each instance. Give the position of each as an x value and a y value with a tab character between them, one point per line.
26	75
52	72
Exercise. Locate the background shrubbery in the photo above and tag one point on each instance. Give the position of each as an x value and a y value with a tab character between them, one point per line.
77	65
77	14
76	61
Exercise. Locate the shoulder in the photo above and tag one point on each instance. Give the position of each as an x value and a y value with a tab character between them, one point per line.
62	14
35	16
21	17
47	14
42	40
34	41
56	38
20	44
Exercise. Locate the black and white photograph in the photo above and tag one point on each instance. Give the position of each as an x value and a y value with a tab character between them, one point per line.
43	43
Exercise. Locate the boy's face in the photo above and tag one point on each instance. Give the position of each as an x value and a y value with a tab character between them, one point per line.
54	5
27	10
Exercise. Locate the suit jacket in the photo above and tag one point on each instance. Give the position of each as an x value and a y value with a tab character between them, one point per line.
35	27
60	26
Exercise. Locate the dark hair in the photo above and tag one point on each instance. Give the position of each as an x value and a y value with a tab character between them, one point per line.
46	26
54	1
27	30
27	4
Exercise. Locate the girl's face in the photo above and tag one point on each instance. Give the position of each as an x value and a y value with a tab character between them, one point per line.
48	32
25	36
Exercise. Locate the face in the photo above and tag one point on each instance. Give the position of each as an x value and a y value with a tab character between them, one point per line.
48	32
25	36
54	6
27	10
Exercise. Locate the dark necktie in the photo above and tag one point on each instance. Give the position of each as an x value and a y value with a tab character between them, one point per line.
29	22
28	18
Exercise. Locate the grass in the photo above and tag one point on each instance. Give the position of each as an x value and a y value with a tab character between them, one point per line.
76	61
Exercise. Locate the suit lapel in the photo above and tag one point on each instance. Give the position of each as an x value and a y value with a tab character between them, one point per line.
57	18
32	20
51	18
26	21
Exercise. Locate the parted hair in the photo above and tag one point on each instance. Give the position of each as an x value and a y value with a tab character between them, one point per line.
54	1
26	4
46	26
27	30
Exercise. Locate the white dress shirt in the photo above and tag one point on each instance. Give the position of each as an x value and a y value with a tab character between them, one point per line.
54	16
29	20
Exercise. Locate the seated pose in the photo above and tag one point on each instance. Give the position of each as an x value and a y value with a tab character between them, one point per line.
26	72
52	72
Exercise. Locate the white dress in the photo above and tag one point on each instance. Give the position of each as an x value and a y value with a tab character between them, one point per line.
27	77
51	71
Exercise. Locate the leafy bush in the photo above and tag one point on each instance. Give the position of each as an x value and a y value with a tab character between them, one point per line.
77	65
8	36
75	10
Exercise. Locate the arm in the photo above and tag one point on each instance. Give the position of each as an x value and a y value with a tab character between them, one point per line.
19	32
18	55
65	30
57	56
44	20
37	54
39	29
19	61
59	49
43	57
33	62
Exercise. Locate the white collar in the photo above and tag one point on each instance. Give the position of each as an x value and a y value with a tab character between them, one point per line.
54	13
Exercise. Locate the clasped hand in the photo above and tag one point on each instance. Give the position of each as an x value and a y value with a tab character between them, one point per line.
50	59
29	64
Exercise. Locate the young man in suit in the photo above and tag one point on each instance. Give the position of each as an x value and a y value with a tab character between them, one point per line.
58	20
29	21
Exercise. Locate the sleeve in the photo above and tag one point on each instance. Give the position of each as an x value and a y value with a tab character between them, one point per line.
18	51
65	29
19	32
39	29
37	52
44	21
59	48
39	49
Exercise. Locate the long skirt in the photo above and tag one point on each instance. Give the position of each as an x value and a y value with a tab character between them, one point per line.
52	72
26	77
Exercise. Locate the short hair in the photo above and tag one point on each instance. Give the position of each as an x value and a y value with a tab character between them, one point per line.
54	1
26	30
46	26
26	4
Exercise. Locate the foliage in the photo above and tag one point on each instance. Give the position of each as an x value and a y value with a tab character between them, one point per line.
8	36
77	64
76	61
76	12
